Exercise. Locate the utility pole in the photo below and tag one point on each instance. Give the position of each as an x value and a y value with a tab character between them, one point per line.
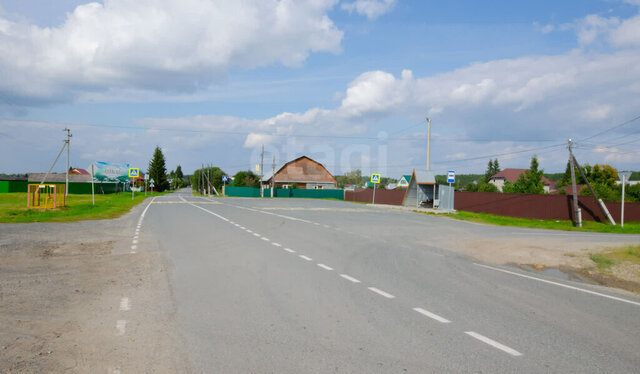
577	215
428	143
273	175
262	172
599	201
68	143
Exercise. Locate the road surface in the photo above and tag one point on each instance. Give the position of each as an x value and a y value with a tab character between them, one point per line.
309	286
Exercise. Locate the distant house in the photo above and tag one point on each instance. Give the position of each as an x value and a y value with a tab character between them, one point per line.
569	189
512	175
302	172
59	178
392	186
78	171
404	181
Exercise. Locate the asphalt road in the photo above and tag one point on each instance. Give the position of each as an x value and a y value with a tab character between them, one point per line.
309	286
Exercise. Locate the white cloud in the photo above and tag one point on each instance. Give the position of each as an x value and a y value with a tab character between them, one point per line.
165	45
370	8
627	34
597	112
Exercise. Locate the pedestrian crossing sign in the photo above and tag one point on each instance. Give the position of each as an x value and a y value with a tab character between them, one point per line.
134	172
375	178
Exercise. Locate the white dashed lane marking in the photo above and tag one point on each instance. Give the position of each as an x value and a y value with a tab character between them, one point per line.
125	304
276	244
493	343
432	315
289	250
325	267
265	239
306	258
121	326
381	293
350	278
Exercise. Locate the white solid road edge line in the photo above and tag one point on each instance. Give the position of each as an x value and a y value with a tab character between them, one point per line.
325	267
432	315
349	278
560	284
382	293
493	343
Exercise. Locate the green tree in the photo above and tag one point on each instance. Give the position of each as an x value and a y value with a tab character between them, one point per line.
529	181
203	179
246	179
351	177
158	170
604	174
493	168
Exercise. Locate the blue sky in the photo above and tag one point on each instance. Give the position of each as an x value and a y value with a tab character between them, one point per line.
349	83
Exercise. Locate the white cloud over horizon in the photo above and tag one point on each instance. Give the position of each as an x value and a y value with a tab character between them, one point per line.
490	107
165	45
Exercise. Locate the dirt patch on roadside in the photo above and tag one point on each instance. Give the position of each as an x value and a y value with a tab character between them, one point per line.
568	256
61	286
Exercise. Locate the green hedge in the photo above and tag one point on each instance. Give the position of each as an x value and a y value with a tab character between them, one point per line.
281	192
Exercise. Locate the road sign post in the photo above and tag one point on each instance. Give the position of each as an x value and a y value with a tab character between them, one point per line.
451	178
375	179
93	192
133	174
225	179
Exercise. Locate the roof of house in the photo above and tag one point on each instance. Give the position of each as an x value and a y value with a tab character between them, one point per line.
301	174
512	175
569	189
78	171
406	177
58	177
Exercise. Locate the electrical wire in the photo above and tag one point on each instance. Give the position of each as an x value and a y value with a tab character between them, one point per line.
612	128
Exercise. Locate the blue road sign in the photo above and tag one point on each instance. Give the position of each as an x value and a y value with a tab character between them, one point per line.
225	178
451	176
375	178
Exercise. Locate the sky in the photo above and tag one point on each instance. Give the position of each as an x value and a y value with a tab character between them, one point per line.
349	83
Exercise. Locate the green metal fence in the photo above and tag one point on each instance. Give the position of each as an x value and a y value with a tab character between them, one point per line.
282	192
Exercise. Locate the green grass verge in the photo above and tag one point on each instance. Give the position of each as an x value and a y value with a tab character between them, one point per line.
587	226
13	208
613	256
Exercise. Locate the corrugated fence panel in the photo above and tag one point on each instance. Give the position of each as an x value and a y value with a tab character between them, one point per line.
365	195
242	191
541	206
282	192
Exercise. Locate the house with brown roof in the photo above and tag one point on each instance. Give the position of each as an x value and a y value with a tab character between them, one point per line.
512	175
303	173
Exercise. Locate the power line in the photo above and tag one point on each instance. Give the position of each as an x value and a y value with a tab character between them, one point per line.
193	130
613	128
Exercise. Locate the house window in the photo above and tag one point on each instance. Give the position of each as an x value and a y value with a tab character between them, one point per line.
285	186
317	187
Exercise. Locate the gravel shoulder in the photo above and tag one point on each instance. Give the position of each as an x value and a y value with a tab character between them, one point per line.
61	289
